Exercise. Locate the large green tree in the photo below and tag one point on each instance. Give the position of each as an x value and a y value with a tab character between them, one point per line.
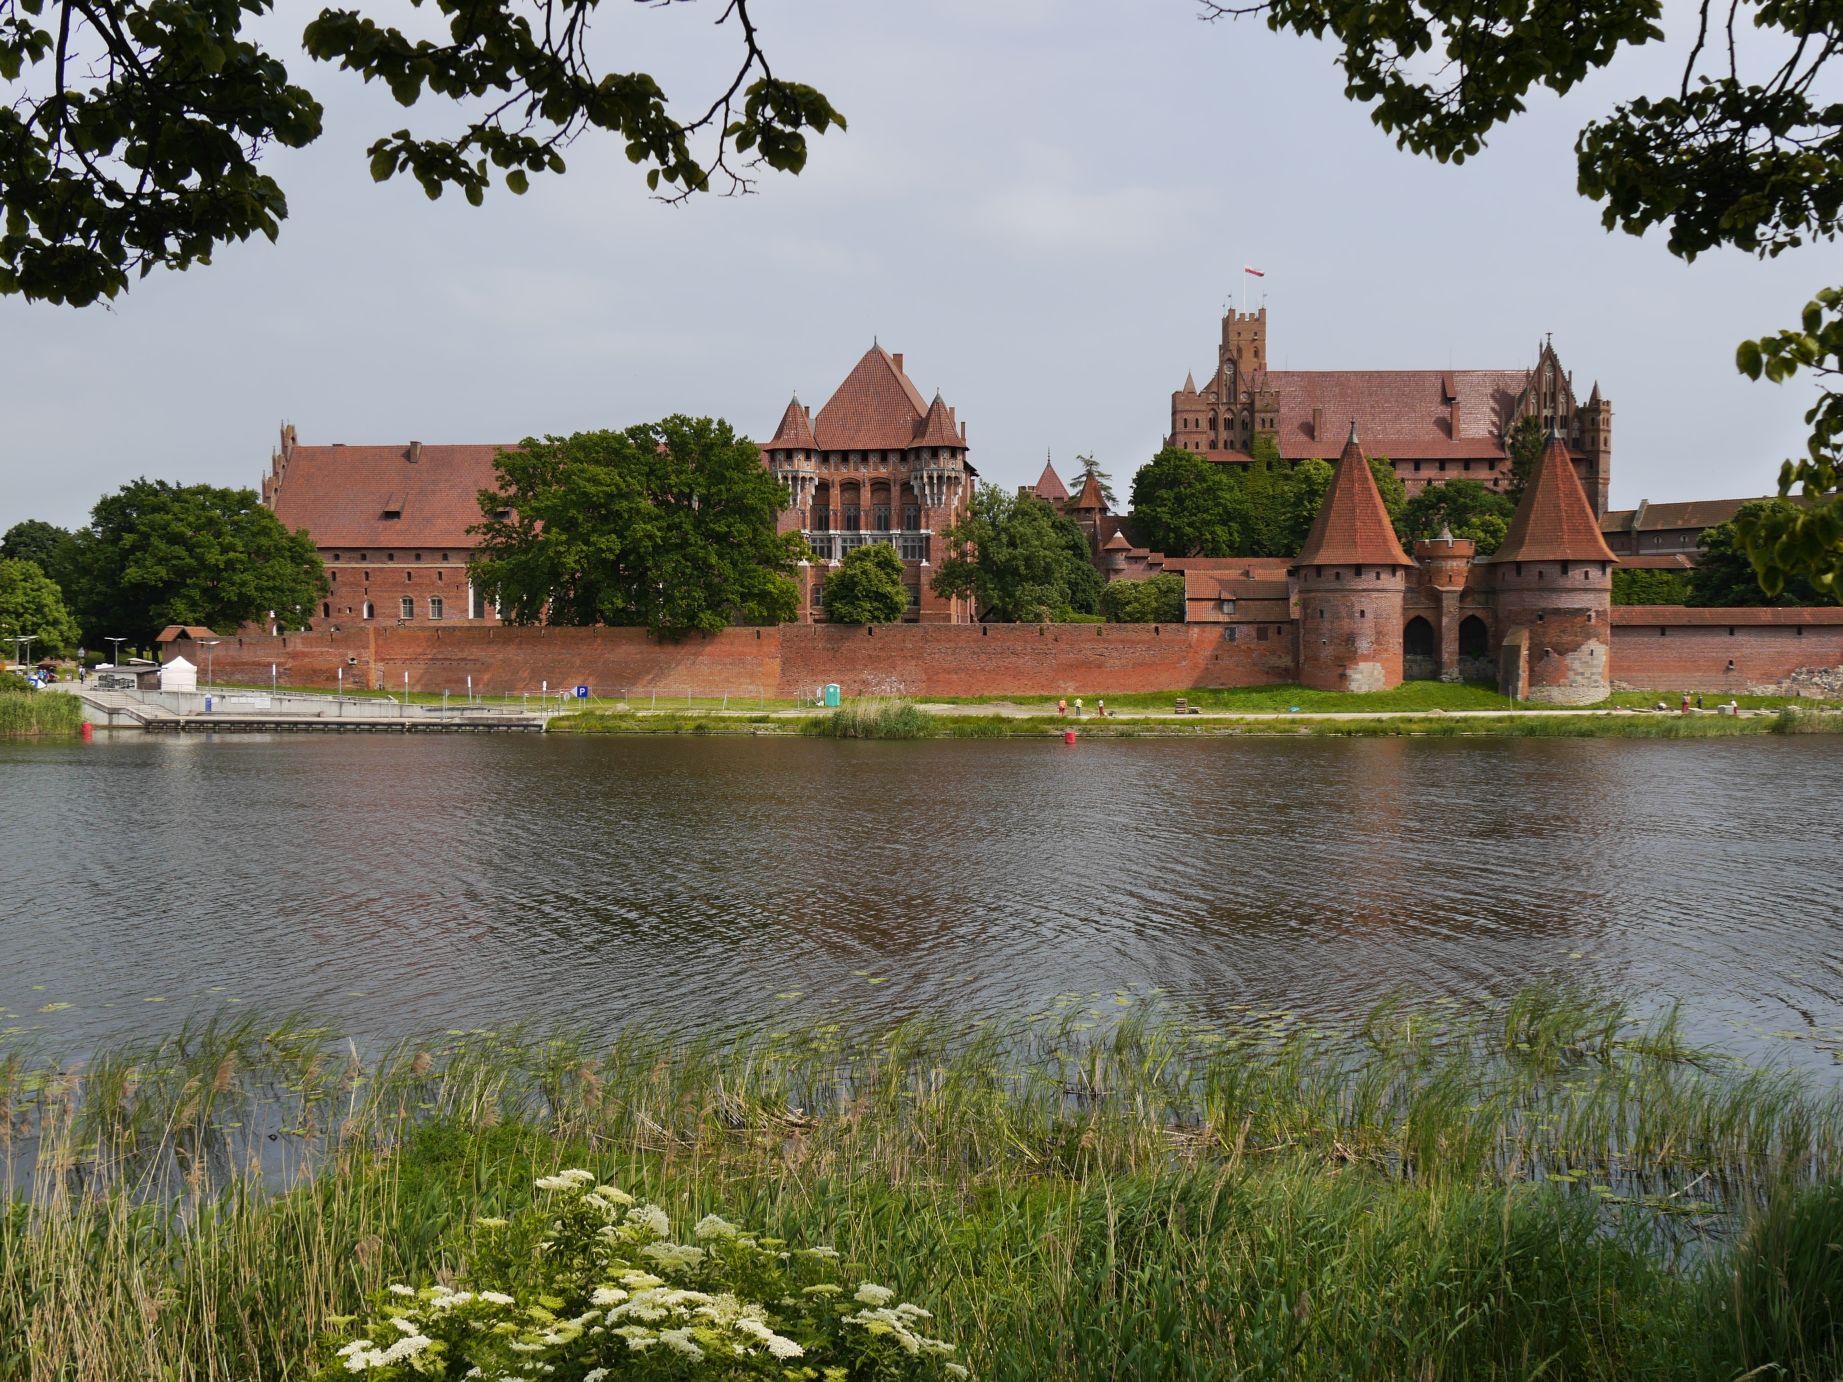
1186	506
669	526
156	553
1637	585
867	587
135	132
1465	507
1724	575
1744	150
32	606
1018	558
45	545
1159	600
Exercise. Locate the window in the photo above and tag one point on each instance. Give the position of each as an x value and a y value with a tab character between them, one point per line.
1228	607
851	518
1260	633
368	611
391	515
478	603
332	576
419	556
390	556
444	556
435	607
409	575
880	518
914	596
326	611
441	575
911	515
912	546
409	607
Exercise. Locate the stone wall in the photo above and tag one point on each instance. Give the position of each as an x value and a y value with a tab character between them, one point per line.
1770	651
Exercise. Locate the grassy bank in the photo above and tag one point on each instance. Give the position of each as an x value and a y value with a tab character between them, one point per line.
1536	1187
874	718
39	715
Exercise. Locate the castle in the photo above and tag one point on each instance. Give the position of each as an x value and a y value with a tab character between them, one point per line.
1433	425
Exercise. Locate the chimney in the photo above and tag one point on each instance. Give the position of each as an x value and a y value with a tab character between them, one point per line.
1318	424
897	357
1452	418
415	452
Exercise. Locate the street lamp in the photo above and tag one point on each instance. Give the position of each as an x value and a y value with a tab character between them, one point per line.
115	653
210	644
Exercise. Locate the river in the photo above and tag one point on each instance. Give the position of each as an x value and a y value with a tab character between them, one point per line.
435	882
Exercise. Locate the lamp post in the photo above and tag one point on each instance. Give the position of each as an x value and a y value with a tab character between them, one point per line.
28	639
210	656
115	653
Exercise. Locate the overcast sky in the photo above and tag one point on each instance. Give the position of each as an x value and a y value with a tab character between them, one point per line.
1043	205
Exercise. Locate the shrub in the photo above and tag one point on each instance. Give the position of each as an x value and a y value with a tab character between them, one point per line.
1159	600
867	587
873	719
589	1286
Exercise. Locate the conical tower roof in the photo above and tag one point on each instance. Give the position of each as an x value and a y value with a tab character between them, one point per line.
1049	484
938	428
1090	496
1352	527
1554	522
795	431
1190	382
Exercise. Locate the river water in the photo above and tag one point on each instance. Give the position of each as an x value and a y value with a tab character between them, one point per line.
433	882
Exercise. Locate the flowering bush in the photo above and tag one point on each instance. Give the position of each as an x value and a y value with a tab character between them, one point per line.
589	1286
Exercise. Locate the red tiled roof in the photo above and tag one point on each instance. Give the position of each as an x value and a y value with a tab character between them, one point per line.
192	631
875	409
1090	496
1049	485
1691	513
938	428
1352	527
1657	561
795	432
1402	414
1740	616
1554	521
340	494
1117	543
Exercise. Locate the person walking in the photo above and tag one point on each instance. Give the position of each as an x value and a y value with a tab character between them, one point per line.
1684	709
1100	707
1078	707
1062	707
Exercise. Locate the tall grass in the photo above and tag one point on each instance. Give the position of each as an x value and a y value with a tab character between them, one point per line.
39	715
873	718
1540	1187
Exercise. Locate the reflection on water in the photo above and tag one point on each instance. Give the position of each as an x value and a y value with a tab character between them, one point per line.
451	883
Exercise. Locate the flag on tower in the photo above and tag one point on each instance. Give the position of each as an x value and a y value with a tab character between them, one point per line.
1258	273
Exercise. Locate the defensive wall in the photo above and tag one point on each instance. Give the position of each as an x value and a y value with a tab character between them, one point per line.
1655	646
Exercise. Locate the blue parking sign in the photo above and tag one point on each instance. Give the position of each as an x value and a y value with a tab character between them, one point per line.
582	693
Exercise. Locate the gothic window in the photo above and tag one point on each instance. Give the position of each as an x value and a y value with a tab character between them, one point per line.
1474	638
1417	638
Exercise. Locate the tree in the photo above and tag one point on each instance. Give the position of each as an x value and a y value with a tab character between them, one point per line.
1019	559
1390	487
1751	160
1465	507
669	526
1089	467
137	140
1186	506
47	547
867	588
1298	498
156	554
1525	445
1725	573
1642	586
31	605
1159	600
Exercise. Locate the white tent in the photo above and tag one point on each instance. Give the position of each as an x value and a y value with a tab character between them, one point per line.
178	675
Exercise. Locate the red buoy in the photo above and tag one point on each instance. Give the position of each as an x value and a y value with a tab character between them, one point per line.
89	732
1068	736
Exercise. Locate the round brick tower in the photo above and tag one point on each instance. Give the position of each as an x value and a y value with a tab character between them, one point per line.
1445	561
1553	579
1351	574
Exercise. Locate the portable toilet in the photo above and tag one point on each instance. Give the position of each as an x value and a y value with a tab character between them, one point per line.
831	695
178	675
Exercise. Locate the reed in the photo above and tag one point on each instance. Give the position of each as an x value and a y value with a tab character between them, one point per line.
873	718
1540	1185
39	715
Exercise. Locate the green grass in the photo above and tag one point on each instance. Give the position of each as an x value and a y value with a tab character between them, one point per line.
39	715
671	722
1410	695
873	718
1645	700
1537	1186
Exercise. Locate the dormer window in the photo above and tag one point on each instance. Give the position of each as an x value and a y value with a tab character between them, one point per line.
393	513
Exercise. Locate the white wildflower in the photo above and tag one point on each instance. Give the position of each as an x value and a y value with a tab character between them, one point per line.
613	1194
952	1369
497	1298
820	1252
404	1325
523	1346
571	1179
711	1226
651	1218
492	1223
398	1289
679	1341
404	1348
596	1375
607	1295
673	1254
869	1293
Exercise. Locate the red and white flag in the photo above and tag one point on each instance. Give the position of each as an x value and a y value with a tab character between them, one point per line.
1258	273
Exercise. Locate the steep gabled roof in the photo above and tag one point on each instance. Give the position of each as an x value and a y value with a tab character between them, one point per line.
1049	484
938	428
340	494
795	431
1404	414
875	409
1553	522
1352	527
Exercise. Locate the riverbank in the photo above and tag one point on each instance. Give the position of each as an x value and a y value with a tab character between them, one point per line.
1438	1192
907	720
39	715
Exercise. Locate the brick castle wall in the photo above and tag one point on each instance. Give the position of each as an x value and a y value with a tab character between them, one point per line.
1768	647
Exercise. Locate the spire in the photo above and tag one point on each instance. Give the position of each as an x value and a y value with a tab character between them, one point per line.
1190	382
1352	527
1554	521
1049	484
938	428
795	431
1090	496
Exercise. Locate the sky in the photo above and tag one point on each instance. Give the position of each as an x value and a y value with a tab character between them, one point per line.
1043	204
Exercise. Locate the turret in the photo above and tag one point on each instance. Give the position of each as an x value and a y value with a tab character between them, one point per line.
1553	582
1445	561
1351	573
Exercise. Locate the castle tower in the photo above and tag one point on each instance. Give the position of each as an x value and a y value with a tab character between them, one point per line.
1351	574
1554	584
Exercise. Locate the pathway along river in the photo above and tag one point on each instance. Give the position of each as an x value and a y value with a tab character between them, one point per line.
431	883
